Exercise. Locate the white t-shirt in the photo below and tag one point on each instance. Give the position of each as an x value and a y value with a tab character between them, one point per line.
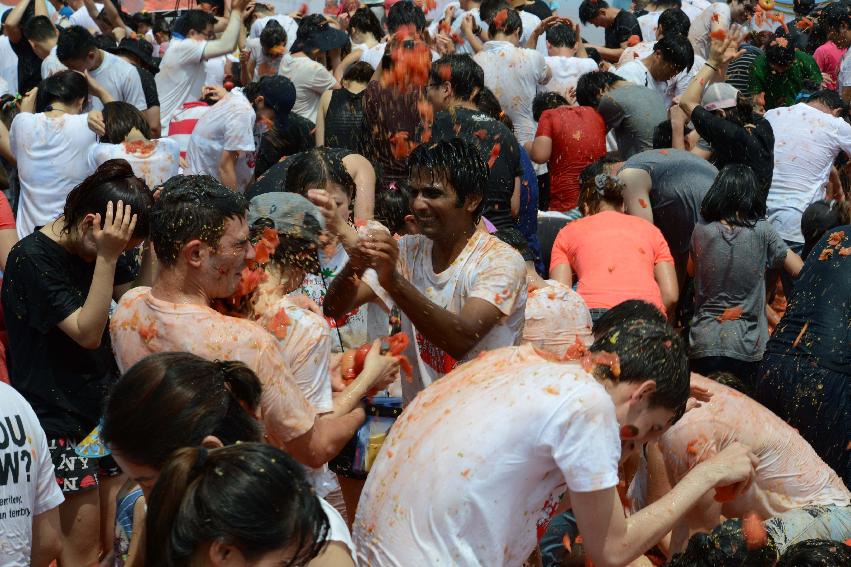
715	15
117	76
338	529
635	72
51	64
311	79
648	23
52	156
352	329
29	486
845	72
513	74
806	141
307	353
227	126
181	77
486	269
566	73
8	64
694	8
530	22
214	69
155	161
81	17
479	460
4	87
290	27
263	64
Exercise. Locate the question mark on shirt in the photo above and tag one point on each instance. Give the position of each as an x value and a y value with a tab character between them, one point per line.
27	456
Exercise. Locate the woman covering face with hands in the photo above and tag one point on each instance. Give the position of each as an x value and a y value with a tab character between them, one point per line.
57	290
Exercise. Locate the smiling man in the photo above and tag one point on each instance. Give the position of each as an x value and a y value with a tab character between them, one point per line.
200	234
461	291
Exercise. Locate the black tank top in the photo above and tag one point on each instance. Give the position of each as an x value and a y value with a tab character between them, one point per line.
343	120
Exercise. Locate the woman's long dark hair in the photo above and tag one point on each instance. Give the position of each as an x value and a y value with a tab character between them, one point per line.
734	197
317	168
176	399
252	496
65	86
113	181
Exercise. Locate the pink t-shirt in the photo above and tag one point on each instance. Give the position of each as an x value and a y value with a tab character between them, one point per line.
613	255
143	325
829	58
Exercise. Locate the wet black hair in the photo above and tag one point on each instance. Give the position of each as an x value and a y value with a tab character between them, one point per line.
178	399
675	50
458	163
193	20
821	216
731	381
647	350
594	55
816	553
365	20
734	197
489	8
360	72
113	181
74	43
561	35
391	208
119	119
546	101
590	87
673	21
317	168
192	207
779	54
252	496
487	102
273	34
39	28
65	87
161	25
510	25
597	167
516	240
589	9
724	545
464	75
629	310
403	14
830	99
663	134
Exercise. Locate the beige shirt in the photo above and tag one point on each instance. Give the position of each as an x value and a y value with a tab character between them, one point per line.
144	325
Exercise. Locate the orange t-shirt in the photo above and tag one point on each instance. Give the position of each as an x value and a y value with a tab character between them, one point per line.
613	256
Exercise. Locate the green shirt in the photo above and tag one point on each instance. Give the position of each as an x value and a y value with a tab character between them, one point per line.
781	90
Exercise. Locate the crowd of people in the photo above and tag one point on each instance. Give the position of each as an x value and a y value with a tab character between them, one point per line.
425	283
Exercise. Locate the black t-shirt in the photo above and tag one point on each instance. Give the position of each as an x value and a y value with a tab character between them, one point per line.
274	179
624	26
29	65
732	143
298	135
485	133
149	87
65	383
539	8
821	302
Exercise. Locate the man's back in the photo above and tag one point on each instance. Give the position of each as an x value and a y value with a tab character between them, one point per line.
483	456
513	74
181	77
790	474
633	112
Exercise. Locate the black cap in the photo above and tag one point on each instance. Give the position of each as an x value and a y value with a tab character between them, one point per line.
316	34
138	48
278	93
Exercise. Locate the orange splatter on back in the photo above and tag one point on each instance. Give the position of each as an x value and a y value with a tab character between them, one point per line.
643	203
800	335
494	155
731	314
481	134
278	324
720	34
845	251
633	40
148	332
551	390
825	254
836	238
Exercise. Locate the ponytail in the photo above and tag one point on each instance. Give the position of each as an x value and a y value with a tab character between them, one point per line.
252	496
602	188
